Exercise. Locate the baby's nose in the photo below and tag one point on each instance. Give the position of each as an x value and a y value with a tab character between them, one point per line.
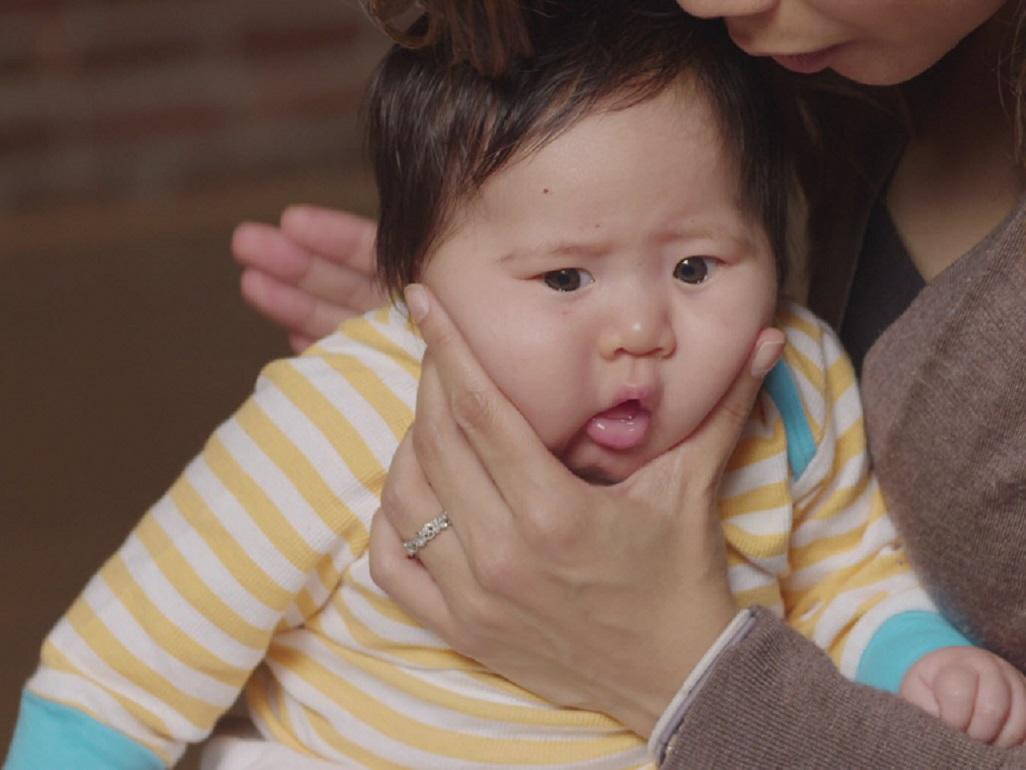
643	329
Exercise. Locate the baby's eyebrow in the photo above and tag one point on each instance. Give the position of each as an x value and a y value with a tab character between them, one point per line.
576	249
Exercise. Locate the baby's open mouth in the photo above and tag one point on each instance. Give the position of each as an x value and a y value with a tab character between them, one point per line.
623	426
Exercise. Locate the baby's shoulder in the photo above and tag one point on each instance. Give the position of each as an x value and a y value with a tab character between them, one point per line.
336	414
813	388
809	337
380	351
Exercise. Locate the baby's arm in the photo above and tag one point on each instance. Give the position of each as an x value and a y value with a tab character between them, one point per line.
250	540
850	584
972	690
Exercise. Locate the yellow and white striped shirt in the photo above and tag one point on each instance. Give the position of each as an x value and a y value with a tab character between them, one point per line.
252	572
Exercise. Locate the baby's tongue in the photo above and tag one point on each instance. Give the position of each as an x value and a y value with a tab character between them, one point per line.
622	427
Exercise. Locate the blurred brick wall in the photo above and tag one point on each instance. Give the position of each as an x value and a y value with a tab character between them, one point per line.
145	98
133	136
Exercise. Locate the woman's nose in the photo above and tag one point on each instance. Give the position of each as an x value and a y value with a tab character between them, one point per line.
645	329
709	9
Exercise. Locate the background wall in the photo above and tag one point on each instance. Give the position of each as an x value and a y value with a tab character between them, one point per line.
134	134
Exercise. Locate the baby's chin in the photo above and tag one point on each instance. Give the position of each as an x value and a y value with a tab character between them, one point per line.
602	466
605	472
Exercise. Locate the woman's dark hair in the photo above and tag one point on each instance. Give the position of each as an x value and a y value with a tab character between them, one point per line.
438	127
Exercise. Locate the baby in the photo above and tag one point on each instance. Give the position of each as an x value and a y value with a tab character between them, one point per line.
606	225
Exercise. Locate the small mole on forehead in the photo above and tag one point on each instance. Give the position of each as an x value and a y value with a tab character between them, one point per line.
545	190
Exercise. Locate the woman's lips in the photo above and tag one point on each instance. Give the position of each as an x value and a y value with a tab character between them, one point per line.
622	427
806	63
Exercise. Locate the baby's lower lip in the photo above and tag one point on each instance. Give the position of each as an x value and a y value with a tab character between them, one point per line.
623	427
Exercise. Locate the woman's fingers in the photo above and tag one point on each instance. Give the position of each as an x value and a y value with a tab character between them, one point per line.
405	579
458	480
343	237
265	248
717	435
691	471
300	342
409	502
306	317
509	450
311	273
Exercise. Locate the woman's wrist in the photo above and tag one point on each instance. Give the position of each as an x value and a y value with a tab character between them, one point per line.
661	738
646	688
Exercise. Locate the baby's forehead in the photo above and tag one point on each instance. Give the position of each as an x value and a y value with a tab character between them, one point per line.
699	126
648	186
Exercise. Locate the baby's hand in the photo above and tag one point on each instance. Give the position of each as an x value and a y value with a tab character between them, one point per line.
972	690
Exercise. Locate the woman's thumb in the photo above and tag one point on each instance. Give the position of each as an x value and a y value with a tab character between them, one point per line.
719	433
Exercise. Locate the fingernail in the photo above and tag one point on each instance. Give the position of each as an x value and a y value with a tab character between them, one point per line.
416	301
766	356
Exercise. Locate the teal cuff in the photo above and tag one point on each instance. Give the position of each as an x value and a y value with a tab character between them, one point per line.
900	642
51	735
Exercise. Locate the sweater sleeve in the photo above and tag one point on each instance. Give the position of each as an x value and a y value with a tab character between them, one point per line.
250	540
773	699
849	577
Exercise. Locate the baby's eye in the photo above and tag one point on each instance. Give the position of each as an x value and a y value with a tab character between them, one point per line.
694	270
567	279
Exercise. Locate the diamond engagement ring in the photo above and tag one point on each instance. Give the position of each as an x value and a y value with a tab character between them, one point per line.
426	534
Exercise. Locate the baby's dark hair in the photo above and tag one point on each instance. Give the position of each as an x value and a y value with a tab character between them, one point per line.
437	128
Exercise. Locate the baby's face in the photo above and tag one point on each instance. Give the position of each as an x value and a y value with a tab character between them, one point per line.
610	284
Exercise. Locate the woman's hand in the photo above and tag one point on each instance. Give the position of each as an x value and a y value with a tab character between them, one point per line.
595	597
311	272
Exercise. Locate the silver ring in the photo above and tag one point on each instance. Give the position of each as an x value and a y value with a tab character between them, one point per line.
426	534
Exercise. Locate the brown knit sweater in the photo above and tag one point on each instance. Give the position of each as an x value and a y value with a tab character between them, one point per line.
945	400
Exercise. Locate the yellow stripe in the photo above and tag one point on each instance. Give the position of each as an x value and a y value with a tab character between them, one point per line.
190	585
383	605
544	715
307	480
877	568
392	409
305	604
840	376
441	659
254	500
53	658
763	498
753	449
441	742
835	649
808	369
757	546
803	557
791	319
425	657
767	595
734	558
221	542
172	639
850	444
341	744
839	500
111	651
259	705
383	314
347	441
362	331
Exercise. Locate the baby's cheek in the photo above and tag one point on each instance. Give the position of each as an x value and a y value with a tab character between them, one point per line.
542	386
